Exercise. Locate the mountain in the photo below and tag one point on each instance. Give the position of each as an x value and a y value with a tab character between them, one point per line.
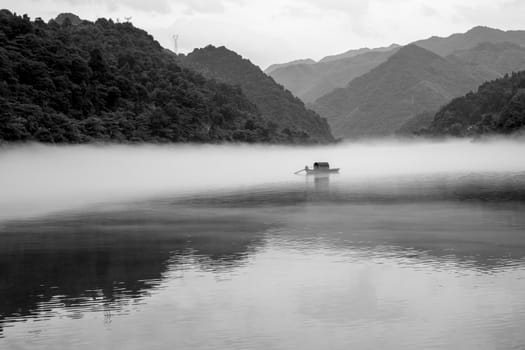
353	53
311	81
497	59
498	107
112	82
273	67
414	125
276	104
464	60
471	39
487	61
411	81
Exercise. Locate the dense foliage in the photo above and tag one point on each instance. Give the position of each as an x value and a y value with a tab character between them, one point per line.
275	103
498	107
105	81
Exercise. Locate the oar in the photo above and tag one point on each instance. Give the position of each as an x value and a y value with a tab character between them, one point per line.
298	171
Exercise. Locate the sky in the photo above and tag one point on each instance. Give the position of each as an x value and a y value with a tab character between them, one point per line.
276	31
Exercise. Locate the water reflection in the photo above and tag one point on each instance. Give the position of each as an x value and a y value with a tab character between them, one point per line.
113	257
298	240
474	188
484	237
475	220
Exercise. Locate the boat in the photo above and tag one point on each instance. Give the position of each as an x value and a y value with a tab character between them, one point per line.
319	168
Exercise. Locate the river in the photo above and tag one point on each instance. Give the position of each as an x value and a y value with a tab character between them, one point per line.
414	245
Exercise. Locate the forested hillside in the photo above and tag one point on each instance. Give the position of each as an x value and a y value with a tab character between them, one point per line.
498	107
378	103
275	103
485	62
105	81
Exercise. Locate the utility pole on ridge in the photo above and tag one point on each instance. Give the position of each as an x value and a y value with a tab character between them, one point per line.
175	43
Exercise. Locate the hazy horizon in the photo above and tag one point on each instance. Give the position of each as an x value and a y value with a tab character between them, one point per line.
40	179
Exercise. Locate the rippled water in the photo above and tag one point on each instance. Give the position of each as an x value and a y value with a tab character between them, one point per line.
312	263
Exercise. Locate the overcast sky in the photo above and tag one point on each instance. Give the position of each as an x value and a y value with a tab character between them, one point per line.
275	31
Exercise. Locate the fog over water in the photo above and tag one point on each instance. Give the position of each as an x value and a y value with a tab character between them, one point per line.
418	245
37	179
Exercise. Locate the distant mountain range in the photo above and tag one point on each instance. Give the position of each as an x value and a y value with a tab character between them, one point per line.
311	80
353	53
276	104
496	58
471	39
284	65
488	61
485	60
400	89
411	81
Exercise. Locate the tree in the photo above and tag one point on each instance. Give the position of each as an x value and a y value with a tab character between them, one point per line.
103	81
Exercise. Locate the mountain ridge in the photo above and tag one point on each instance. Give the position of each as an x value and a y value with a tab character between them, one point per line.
276	66
500	58
311	81
488	61
112	82
355	52
274	102
445	46
411	81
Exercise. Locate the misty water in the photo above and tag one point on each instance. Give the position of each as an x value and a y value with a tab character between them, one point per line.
413	245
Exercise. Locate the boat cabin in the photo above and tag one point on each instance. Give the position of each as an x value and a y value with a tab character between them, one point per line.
321	166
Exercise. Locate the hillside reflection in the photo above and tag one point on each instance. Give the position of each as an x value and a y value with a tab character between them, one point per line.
108	258
113	256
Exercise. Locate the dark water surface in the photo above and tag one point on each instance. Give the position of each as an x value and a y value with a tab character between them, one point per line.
435	262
